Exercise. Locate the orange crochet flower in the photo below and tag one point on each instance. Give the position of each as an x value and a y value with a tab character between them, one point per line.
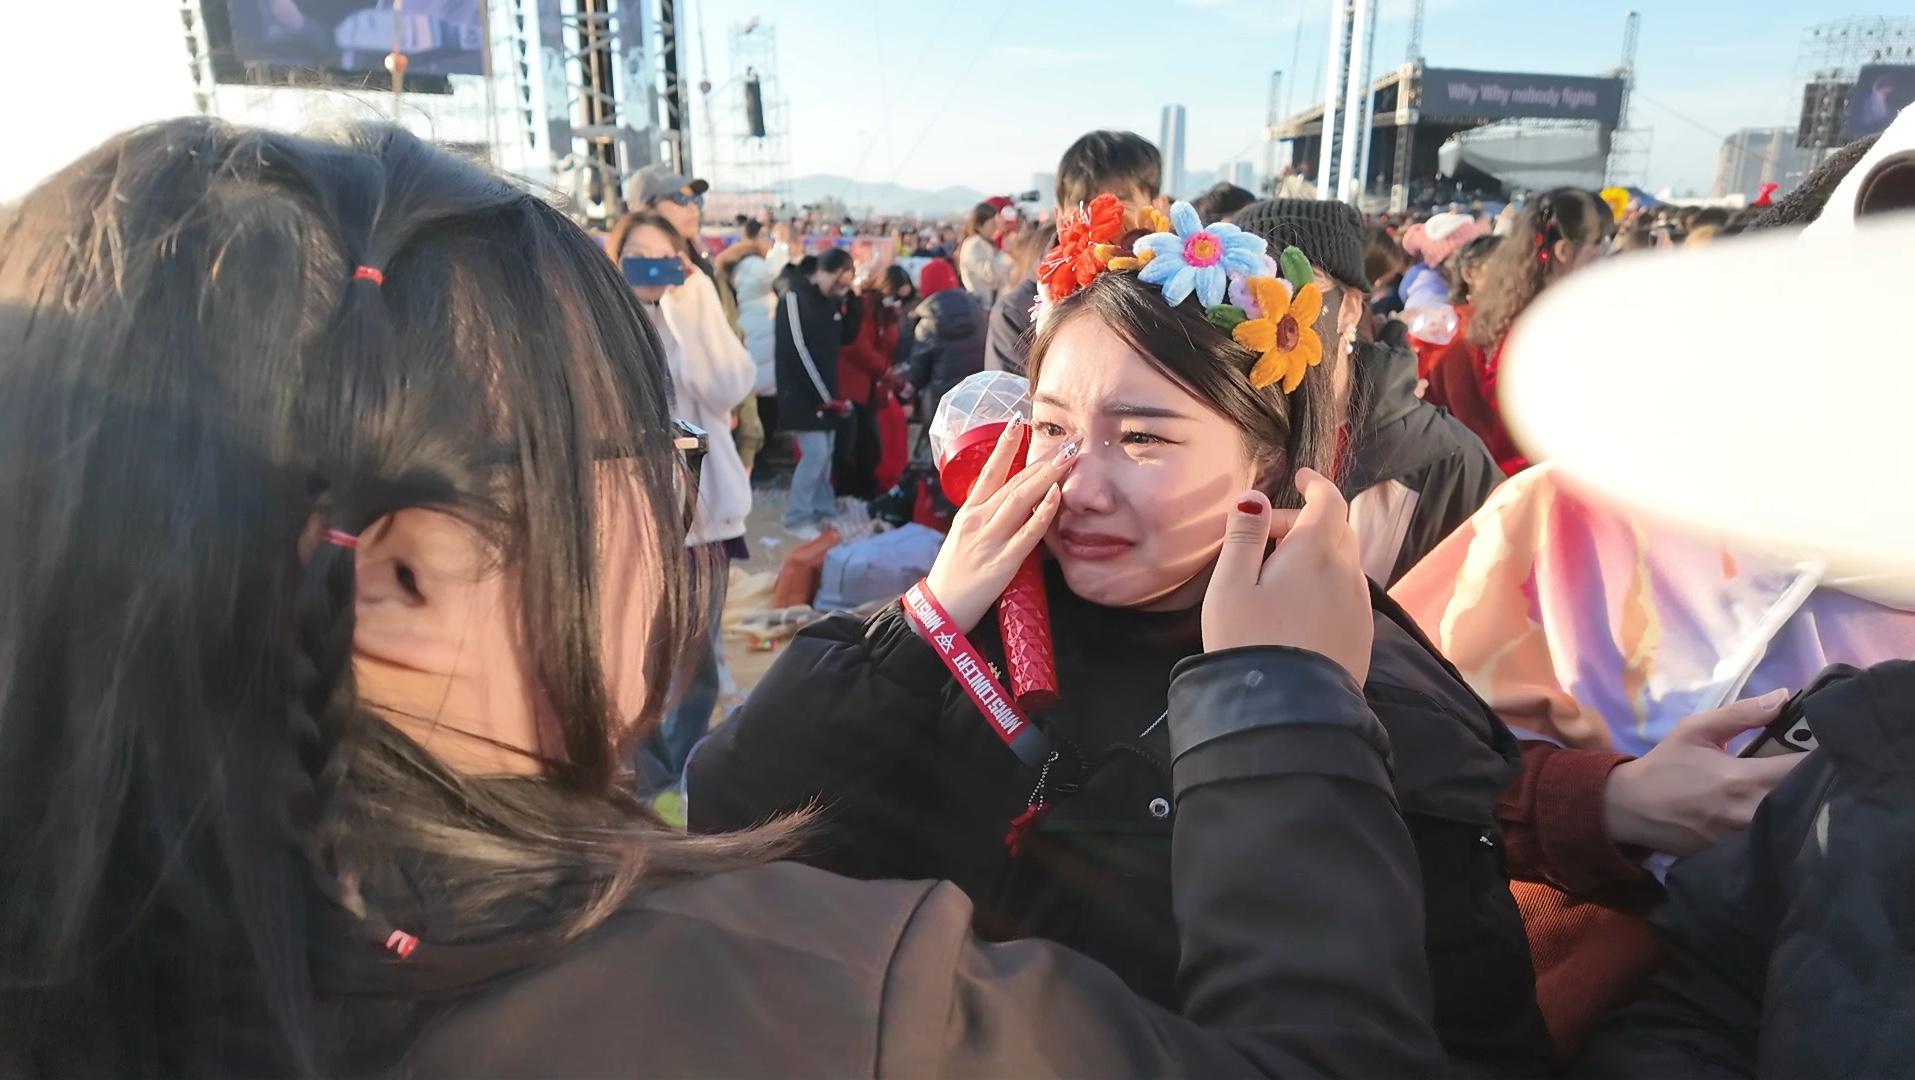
1147	218
1286	336
1075	261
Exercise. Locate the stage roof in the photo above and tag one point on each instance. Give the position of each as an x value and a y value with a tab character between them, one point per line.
1459	98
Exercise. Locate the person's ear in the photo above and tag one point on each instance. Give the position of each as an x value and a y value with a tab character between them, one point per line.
1349	312
1563	251
422	578
1162	203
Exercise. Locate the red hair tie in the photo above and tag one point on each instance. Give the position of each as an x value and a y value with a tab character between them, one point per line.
369	274
341	539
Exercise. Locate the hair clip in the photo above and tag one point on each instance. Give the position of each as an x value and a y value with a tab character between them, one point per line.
341	539
368	273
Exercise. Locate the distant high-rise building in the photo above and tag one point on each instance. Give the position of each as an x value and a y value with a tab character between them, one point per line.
1754	156
1243	174
1046	185
1170	143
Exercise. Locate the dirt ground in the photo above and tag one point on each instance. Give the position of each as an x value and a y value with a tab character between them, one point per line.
769	544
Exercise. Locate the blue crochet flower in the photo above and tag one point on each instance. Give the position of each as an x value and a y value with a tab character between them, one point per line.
1198	257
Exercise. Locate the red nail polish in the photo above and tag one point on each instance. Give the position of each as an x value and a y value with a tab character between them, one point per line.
1250	506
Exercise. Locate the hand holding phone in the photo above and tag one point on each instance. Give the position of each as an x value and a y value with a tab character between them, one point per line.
1687	792
1789	732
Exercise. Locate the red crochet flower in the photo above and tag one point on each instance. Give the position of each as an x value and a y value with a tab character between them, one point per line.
1073	263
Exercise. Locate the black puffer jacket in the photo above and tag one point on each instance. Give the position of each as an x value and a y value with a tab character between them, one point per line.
1415	472
948	344
864	718
1790	948
808	376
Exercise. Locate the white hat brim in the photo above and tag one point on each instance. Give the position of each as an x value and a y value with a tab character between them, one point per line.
1761	386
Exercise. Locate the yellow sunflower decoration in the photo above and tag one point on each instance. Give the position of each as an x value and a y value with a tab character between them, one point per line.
1285	335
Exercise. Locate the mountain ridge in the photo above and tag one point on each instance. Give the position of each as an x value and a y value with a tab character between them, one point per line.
882	197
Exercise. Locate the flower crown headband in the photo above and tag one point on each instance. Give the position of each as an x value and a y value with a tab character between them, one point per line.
1270	305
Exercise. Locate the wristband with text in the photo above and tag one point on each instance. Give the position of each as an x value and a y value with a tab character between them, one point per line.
1030	744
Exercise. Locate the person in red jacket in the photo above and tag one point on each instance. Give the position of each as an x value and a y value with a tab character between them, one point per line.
863	366
1556	233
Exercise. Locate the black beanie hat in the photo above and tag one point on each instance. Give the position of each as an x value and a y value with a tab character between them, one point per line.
1330	234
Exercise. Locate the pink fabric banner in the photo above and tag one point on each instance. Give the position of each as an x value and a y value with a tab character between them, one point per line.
1601	625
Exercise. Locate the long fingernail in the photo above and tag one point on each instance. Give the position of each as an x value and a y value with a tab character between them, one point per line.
1069	450
1774	697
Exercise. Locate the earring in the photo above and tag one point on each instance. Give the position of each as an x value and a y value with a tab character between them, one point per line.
1106	442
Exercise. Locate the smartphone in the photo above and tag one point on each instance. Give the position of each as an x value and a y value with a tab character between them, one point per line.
666	271
1789	732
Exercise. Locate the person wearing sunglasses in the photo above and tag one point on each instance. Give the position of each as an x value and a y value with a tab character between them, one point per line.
680	200
711	371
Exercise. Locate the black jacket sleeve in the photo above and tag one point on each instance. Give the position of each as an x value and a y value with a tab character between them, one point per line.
926	347
1701	1018
867	692
1010	321
1279	765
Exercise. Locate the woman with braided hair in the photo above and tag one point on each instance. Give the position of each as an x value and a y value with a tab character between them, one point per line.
1555	234
344	562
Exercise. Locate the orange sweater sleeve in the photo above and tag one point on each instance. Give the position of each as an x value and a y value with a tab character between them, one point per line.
1553	826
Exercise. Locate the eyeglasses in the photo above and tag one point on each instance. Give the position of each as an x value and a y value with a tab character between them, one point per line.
689	440
683	199
693	444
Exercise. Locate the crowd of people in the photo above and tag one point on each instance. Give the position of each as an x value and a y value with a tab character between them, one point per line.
362	589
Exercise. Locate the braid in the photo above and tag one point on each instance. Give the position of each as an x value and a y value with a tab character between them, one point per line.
322	713
321	717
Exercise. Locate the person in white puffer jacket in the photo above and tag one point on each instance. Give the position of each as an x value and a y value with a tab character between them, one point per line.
762	259
711	372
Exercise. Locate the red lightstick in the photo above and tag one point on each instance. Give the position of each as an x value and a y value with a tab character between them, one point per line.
970	419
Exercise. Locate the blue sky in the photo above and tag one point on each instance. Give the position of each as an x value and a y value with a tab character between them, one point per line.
985	93
999	87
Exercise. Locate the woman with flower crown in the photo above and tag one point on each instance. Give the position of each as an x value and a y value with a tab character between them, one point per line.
1178	395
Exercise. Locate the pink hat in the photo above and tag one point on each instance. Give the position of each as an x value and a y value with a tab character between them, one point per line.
1442	235
1412	240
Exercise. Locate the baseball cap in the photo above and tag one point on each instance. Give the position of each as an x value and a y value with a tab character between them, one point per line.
656	181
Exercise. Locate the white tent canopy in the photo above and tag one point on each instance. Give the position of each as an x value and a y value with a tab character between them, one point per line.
1528	158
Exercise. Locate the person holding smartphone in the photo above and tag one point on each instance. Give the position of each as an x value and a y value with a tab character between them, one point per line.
711	371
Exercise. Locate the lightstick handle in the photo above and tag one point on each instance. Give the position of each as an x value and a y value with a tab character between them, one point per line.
1024	620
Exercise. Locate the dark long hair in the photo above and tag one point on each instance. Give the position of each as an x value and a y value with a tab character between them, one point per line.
632	219
1282	432
1521	266
202	831
1468	258
834	260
